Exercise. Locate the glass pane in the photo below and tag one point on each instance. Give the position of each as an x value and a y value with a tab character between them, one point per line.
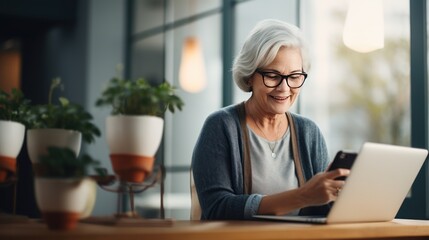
177	199
183	127
356	97
179	9
247	14
148	59
147	14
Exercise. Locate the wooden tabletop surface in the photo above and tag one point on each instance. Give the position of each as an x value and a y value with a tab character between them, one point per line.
219	230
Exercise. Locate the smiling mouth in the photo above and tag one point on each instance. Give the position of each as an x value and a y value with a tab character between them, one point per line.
280	98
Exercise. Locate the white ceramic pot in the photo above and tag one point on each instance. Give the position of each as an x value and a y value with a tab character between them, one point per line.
11	140
133	142
38	141
138	135
62	201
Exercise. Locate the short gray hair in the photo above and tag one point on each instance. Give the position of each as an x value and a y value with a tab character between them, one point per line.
261	47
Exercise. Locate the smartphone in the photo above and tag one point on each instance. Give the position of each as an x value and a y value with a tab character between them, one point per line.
343	159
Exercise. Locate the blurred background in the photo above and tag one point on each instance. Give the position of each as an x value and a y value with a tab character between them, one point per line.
368	80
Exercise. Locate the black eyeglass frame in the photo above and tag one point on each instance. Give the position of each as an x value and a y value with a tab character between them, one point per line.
263	73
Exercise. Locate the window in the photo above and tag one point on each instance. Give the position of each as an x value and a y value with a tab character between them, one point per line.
160	28
248	13
356	97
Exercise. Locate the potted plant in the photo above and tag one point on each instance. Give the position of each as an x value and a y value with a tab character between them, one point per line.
63	188
13	115
61	125
134	130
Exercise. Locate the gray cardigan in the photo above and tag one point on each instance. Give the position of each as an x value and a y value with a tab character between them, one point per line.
217	165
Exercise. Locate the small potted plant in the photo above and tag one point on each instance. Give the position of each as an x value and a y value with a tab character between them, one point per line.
63	190
134	130
13	115
62	125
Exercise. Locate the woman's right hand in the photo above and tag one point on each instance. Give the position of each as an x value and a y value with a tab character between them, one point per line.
323	188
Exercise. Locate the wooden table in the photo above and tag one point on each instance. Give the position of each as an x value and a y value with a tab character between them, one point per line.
222	230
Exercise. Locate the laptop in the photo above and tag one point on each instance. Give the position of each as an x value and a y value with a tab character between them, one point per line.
379	181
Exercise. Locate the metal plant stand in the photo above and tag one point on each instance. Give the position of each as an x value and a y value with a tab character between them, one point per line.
12	180
111	183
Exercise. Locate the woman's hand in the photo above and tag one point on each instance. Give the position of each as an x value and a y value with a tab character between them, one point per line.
323	188
319	190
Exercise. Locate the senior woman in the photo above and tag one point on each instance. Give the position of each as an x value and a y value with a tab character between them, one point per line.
256	157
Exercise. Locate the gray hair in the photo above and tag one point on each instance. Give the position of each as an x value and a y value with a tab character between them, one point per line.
261	48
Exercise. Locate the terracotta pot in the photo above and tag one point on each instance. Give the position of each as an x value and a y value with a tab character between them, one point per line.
38	141
11	140
133	142
7	167
62	201
131	168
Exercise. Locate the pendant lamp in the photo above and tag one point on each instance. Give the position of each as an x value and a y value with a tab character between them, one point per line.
364	27
192	73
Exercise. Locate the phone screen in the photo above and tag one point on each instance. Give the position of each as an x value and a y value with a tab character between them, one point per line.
343	160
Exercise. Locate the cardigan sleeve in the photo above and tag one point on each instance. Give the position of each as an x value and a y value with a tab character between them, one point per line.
217	169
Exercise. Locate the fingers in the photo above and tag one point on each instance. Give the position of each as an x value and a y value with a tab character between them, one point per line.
335	186
340	172
324	187
337	192
334	189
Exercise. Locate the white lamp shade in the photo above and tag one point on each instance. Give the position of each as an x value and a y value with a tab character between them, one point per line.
364	27
192	73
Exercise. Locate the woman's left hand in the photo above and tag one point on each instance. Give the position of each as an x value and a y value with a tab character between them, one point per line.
323	188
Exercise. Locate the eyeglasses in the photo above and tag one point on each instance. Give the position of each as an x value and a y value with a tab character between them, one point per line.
273	79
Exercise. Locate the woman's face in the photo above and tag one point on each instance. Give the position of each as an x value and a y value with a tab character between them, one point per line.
277	100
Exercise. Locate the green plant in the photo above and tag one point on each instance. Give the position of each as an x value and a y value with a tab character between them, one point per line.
14	106
66	115
63	163
139	97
